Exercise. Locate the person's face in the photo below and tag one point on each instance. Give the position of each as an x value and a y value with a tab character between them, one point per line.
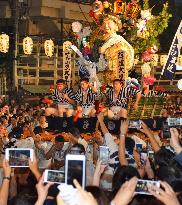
117	86
42	119
84	85
60	86
59	145
109	27
75	150
98	138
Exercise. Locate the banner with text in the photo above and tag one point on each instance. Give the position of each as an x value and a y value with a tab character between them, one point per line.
169	68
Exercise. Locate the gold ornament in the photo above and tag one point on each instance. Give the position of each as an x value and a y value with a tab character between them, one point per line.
49	48
27	45
119	7
106	4
4	43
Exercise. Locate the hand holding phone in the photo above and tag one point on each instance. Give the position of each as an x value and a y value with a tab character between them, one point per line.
75	168
143	186
54	176
104	154
135	124
19	157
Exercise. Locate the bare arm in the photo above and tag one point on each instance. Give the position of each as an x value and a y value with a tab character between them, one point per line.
151	137
123	132
138	97
5	185
100	118
50	153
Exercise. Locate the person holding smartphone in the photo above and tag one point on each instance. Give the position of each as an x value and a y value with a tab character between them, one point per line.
57	153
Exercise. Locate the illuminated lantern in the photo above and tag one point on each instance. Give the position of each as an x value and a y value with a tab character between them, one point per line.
146	69
49	48
155	59
163	59
27	45
4	43
119	7
180	60
106	4
180	84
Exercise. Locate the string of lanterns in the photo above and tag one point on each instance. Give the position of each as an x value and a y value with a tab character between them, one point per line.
27	45
49	50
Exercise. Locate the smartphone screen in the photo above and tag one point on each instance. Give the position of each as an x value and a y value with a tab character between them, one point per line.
139	147
19	157
54	176
75	169
142	186
104	154
135	124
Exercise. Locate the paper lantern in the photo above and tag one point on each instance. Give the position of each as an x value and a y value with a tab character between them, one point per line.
155	59
4	43
180	84
49	48
27	45
163	59
146	69
179	60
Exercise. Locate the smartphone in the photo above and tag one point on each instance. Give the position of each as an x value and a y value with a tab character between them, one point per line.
75	168
19	157
174	122
135	124
54	176
104	154
139	147
151	155
143	186
143	157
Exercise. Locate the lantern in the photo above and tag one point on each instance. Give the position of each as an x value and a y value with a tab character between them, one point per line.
180	60
4	43
146	69
27	45
155	59
180	84
163	59
49	48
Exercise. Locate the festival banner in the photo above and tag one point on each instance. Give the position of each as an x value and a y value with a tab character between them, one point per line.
170	66
66	64
121	67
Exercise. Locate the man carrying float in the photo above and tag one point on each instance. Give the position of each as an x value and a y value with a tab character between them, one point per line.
64	98
85	97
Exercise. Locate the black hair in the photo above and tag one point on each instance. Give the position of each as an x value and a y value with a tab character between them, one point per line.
98	194
84	79
171	174
60	81
59	138
129	144
75	132
116	80
80	147
163	157
122	174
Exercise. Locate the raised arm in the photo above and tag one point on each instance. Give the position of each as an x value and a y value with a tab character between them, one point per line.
4	191
123	132
151	137
100	118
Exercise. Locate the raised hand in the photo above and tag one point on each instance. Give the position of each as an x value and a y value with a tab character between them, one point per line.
174	140
126	192
165	195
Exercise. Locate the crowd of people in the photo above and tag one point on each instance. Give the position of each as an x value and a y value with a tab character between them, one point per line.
40	127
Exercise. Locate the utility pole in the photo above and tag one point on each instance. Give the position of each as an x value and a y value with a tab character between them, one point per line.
16	18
